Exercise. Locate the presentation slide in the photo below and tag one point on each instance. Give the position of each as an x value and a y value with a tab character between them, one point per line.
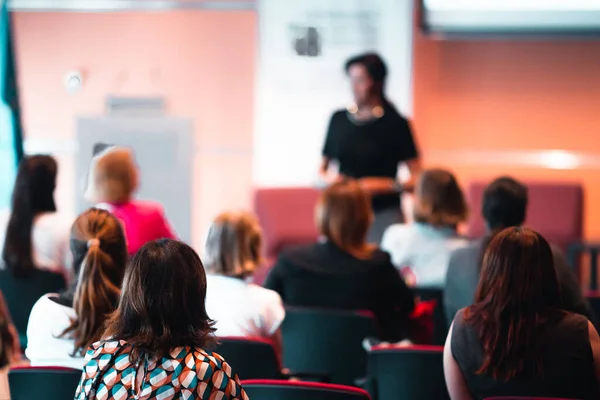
512	16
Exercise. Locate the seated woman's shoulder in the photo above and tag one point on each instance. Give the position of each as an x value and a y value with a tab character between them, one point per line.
147	206
264	294
299	251
380	256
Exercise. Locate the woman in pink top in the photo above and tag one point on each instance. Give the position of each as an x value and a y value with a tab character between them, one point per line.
112	181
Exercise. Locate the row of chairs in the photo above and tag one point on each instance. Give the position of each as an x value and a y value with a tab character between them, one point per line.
54	383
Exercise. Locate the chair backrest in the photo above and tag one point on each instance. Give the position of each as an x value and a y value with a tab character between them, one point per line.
555	210
48	383
251	358
407	373
289	390
327	342
286	216
22	293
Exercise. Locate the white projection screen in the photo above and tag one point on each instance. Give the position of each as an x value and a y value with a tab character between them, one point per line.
568	17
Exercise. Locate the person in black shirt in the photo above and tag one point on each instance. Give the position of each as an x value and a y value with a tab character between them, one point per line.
344	271
516	339
369	140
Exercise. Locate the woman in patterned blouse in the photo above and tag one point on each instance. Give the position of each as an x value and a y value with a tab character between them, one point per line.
157	335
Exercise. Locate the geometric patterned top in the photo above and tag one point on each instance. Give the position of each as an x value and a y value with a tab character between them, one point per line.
187	373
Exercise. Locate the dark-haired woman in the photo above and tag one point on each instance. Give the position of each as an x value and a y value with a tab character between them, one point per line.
369	141
62	326
157	336
515	340
32	234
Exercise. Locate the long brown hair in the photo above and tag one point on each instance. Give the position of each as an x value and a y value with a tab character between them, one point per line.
344	216
518	294
100	254
162	305
33	194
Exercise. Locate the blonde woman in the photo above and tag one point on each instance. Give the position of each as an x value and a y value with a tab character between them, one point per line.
425	245
232	254
112	182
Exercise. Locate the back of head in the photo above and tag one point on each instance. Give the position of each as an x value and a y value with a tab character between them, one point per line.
344	216
517	292
112	177
233	245
439	200
33	194
504	203
99	257
162	304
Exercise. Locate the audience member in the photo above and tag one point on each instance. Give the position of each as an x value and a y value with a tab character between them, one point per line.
62	327
424	246
32	233
112	181
504	205
10	351
516	340
154	342
343	271
232	255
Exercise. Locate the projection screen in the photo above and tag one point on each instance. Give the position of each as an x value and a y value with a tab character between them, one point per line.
511	16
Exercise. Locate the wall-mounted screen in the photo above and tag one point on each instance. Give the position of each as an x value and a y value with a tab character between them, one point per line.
569	17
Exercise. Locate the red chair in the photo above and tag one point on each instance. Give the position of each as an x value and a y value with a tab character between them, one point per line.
407	373
327	342
286	216
48	383
251	357
289	390
560	228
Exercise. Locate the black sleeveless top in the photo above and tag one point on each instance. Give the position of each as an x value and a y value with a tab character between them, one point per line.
568	370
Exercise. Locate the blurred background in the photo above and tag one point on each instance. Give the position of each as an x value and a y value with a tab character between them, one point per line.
236	95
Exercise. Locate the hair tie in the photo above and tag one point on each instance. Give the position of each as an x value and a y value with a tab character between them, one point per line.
95	242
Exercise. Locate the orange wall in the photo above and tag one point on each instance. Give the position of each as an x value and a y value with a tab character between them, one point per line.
476	98
474	101
202	67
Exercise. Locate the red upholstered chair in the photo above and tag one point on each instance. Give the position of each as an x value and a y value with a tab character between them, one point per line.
48	383
286	216
407	373
289	390
555	210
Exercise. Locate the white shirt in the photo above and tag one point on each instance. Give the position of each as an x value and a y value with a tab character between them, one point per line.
47	322
50	237
242	309
423	248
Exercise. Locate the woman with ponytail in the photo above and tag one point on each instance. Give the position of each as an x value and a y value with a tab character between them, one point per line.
32	234
62	326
